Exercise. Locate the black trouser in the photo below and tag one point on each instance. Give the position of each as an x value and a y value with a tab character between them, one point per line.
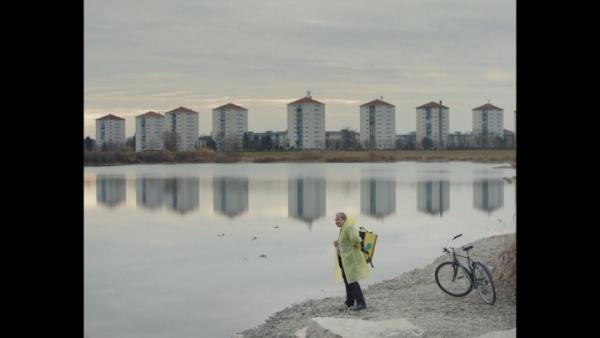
353	290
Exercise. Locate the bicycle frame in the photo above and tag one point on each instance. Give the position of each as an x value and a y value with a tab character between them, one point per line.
470	261
468	272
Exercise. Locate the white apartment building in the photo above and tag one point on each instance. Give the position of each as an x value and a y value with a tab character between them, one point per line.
488	124
110	129
433	122
378	125
183	122
149	129
229	122
306	123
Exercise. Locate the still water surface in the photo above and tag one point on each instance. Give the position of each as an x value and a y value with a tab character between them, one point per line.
175	250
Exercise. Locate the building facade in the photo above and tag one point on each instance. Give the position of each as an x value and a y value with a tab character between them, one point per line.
110	130
306	123
229	123
406	141
378	125
488	126
278	140
149	129
510	139
183	123
459	140
342	140
433	122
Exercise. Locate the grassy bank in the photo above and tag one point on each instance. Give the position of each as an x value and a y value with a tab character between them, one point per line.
205	155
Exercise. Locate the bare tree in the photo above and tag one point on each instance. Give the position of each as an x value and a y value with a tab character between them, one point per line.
366	144
170	140
89	144
348	139
427	143
230	146
266	143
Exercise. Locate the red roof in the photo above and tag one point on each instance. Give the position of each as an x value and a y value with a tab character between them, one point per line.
181	110
377	103
487	106
305	100
231	106
110	117
432	105
150	114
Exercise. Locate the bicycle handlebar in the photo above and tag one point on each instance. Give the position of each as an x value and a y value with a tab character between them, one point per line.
445	249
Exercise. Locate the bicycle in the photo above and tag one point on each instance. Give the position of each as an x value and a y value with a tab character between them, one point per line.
458	279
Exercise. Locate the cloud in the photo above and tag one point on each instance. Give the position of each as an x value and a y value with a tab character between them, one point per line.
155	55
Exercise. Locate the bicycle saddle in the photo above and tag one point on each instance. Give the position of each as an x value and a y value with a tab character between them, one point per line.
467	247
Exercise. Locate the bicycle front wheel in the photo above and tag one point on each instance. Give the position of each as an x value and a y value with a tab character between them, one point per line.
451	278
483	282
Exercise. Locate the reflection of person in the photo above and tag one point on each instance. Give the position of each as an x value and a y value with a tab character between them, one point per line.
350	263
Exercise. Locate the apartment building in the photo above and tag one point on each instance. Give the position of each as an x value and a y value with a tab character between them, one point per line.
306	123
183	122
149	129
433	121
258	140
378	125
488	125
229	123
110	130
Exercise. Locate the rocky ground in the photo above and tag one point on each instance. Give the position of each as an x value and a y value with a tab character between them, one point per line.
416	297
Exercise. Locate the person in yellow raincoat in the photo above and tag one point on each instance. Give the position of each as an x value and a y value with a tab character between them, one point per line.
350	263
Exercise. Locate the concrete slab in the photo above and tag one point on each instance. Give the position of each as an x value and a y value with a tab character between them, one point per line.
327	327
501	334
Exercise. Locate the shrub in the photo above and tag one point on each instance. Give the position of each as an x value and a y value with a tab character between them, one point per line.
310	155
506	272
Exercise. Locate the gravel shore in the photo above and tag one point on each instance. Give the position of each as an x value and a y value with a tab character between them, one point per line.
416	297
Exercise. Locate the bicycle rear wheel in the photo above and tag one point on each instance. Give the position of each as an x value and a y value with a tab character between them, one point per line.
483	282
451	278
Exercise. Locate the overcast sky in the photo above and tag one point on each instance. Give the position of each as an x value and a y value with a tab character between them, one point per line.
157	55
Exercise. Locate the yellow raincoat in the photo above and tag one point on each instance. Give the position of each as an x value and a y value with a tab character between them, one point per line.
353	260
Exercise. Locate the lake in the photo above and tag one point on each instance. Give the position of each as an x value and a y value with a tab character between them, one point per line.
210	250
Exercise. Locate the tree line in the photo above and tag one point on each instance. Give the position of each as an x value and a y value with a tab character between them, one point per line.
348	141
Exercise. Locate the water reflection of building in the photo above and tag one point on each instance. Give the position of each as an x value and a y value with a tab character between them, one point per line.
377	197
306	199
182	194
488	194
433	197
230	195
150	192
110	190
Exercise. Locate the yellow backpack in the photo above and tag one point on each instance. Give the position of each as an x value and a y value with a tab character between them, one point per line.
367	246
